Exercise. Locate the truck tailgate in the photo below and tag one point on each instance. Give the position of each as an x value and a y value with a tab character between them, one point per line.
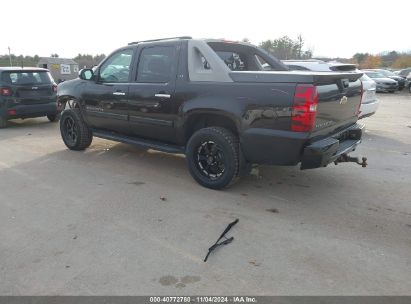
339	98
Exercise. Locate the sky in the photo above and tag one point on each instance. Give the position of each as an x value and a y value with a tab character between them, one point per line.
331	28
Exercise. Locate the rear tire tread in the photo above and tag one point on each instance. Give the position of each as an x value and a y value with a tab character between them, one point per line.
85	134
233	143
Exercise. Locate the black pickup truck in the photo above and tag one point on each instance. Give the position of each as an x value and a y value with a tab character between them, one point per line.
214	101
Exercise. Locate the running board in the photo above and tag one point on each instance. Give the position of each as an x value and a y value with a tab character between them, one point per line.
140	142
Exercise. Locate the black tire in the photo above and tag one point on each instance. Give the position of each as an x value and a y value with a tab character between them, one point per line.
213	157
3	122
74	131
53	117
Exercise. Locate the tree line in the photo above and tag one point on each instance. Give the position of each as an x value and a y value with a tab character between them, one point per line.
393	59
282	48
83	60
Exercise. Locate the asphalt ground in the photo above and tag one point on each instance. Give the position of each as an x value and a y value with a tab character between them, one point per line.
120	220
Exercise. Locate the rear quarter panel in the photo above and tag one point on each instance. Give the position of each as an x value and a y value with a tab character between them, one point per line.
249	105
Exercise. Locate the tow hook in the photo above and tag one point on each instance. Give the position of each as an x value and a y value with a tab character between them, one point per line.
345	158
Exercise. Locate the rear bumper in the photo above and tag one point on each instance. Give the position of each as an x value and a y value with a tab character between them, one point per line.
285	148
386	88
27	111
325	151
368	109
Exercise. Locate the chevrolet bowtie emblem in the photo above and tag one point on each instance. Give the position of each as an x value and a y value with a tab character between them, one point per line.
343	100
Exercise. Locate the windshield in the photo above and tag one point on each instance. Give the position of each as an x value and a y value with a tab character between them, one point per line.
26	77
387	73
375	75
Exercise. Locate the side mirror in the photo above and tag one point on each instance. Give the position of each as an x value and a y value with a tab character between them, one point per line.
86	74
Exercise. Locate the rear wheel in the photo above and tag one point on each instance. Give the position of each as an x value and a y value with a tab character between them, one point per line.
213	157
74	131
52	117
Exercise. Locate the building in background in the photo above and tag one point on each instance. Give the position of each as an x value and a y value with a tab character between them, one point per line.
60	68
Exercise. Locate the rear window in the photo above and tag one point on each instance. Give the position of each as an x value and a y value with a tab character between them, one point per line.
29	78
235	61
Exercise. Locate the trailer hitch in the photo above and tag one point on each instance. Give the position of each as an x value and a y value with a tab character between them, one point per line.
345	158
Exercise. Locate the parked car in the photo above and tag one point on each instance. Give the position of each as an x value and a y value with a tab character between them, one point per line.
404	72
408	82
391	75
213	101
27	92
369	102
318	65
384	84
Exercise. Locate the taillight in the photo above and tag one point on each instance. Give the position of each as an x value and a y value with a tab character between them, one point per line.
304	108
6	91
54	88
358	111
12	112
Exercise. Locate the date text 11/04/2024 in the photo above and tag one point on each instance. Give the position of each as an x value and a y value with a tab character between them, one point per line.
204	299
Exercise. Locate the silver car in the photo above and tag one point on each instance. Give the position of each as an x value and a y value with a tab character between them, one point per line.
408	82
384	84
369	101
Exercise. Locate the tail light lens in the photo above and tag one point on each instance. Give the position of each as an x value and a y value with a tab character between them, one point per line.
304	110
54	88
358	112
6	91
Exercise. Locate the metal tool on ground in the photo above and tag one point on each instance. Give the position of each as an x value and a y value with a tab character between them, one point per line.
225	242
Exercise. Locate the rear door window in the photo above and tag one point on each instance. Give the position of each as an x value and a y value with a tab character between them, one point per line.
157	64
26	78
235	61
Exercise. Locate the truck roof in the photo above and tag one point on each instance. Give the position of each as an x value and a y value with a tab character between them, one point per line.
162	39
222	40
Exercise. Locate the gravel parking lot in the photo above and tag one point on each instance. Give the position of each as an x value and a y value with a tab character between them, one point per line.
119	220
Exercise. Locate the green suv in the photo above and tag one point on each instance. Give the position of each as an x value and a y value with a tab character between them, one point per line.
27	92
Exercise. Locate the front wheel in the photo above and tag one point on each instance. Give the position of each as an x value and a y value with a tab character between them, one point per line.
74	131
213	157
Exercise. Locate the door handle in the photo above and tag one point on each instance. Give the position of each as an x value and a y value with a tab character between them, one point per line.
162	95
119	93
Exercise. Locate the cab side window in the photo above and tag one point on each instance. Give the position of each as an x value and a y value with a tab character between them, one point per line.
157	64
117	67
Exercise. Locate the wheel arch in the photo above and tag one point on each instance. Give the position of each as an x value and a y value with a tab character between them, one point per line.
197	120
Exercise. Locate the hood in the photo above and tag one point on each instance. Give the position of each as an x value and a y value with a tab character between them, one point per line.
398	78
384	79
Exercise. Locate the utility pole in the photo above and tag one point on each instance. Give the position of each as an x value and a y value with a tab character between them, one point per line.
11	63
